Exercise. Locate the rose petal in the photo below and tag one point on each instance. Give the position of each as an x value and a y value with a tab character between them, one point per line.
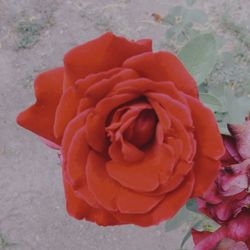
206	171
180	171
81	210
70	100
111	195
143	86
39	118
77	159
189	144
237	229
169	206
75	125
74	147
66	110
100	89
199	236
206	130
104	53
241	133
95	125
163	66
210	242
177	109
231	153
162	115
121	151
146	175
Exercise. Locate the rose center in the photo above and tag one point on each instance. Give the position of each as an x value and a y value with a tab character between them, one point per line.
142	130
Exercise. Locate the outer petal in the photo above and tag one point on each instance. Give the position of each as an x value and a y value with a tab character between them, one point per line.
163	66
75	152
207	135
81	210
179	174
111	195
210	146
206	171
77	158
166	209
75	125
104	53
210	242
199	236
39	118
66	110
231	155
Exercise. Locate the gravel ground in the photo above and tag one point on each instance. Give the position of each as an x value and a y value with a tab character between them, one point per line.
34	35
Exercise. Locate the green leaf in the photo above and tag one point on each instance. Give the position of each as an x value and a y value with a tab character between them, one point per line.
181	15
188	234
192	205
209	224
170	33
180	218
185	238
192	33
198	16
190	2
211	101
176	15
238	107
199	56
223	130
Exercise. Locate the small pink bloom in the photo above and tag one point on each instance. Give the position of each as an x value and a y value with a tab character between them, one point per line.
241	132
237	230
228	199
229	244
230	193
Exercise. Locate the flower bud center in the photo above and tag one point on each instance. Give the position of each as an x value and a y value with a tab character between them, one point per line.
142	130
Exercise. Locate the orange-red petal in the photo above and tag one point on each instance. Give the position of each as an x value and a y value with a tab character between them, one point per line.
205	171
103	53
163	66
206	131
96	135
145	175
111	195
168	207
79	209
75	125
39	118
66	110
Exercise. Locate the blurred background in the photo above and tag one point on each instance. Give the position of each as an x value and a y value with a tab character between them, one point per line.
34	35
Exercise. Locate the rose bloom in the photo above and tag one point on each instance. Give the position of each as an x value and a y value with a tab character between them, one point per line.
228	199
135	140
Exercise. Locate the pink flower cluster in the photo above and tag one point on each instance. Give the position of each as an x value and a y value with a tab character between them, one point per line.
228	199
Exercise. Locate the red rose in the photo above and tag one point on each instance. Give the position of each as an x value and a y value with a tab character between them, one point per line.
136	141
